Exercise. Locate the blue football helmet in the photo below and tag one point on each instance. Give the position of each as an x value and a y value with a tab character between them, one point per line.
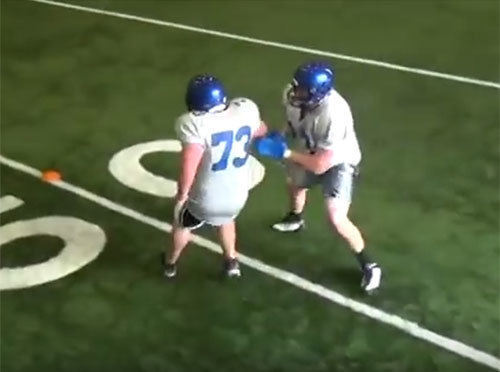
312	81
205	92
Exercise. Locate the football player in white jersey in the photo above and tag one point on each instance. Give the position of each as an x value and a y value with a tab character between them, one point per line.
215	174
325	152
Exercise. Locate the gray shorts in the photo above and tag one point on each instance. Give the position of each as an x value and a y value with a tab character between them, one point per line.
337	182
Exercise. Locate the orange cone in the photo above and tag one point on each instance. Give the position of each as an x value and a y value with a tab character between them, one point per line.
51	175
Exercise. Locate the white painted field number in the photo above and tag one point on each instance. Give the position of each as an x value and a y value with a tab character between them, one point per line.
126	167
83	242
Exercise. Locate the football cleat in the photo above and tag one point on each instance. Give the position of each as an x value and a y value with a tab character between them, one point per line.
290	223
232	268
169	270
372	276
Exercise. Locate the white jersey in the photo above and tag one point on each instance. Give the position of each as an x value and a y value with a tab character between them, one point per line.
222	181
329	126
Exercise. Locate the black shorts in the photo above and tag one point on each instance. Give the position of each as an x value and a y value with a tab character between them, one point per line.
188	221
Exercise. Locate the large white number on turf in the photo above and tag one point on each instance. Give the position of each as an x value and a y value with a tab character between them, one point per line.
126	167
83	243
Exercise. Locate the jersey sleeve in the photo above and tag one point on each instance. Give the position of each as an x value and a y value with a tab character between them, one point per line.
284	96
288	130
188	131
250	112
336	126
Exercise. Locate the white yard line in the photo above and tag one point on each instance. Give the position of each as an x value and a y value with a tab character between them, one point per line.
406	326
276	44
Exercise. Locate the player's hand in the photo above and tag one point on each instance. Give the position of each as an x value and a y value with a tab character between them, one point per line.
276	135
179	204
272	145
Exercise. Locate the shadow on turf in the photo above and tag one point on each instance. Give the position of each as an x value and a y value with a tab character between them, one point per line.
347	279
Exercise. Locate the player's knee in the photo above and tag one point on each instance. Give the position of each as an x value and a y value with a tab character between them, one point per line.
338	218
337	214
339	221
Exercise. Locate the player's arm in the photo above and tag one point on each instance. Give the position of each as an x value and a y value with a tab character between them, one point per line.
321	160
261	130
193	147
274	145
318	163
191	156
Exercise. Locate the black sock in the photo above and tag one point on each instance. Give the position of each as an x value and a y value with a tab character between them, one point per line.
363	259
298	214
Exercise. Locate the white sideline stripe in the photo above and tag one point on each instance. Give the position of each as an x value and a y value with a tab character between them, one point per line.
406	326
276	44
9	202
